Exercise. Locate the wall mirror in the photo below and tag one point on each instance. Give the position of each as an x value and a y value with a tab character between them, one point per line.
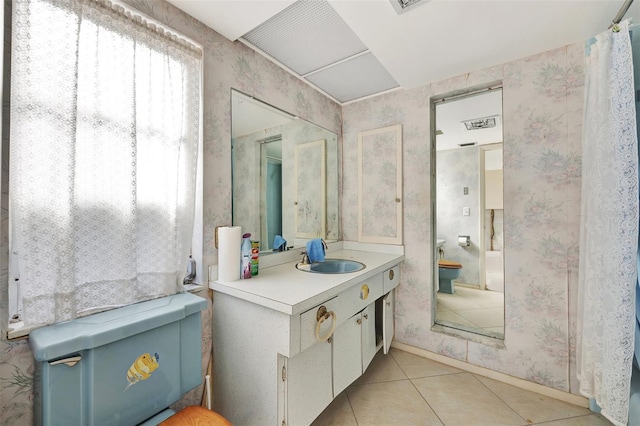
468	245
284	175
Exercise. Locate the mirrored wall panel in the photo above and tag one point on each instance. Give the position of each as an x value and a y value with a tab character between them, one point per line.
285	175
469	208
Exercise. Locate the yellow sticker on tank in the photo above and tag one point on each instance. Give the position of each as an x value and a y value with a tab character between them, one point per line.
142	368
364	292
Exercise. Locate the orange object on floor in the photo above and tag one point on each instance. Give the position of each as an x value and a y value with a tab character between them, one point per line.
196	416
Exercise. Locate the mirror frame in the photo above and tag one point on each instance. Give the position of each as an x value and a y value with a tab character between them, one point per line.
470	334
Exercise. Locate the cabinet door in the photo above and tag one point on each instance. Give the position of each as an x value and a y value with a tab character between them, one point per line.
380	185
368	335
311	187
387	320
308	384
347	353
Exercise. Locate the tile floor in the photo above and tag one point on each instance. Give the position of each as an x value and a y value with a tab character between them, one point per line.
474	308
405	389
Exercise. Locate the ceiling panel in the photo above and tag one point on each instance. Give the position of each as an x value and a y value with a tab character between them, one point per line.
355	78
306	36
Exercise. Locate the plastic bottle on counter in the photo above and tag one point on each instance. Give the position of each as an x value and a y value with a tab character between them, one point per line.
245	257
255	253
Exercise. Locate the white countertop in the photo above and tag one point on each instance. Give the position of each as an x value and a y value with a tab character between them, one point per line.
286	289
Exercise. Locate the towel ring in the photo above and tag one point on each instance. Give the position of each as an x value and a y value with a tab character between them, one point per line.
321	317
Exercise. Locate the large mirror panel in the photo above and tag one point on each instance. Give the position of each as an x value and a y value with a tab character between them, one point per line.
468	244
285	175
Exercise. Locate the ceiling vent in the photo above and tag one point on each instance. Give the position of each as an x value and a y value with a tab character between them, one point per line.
402	6
480	123
312	41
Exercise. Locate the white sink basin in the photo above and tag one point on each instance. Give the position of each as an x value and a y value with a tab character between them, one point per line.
334	266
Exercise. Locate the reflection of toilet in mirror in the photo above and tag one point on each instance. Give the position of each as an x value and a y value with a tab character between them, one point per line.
448	270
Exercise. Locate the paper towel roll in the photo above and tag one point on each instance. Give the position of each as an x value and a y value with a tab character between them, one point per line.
229	239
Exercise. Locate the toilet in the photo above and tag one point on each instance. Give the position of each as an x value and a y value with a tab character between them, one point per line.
448	270
122	367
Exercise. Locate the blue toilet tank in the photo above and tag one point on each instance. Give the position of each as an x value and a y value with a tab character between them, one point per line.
118	367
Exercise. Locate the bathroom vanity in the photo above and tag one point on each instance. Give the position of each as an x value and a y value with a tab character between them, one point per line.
286	342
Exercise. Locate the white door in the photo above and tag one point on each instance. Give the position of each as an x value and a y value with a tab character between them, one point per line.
308	384
347	353
368	335
387	320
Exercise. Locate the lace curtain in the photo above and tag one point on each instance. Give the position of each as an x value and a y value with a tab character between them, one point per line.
609	236
104	131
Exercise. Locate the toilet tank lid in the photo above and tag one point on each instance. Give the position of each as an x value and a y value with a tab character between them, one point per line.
67	338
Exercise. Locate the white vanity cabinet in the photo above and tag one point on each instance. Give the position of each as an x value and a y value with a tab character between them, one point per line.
306	385
354	346
270	368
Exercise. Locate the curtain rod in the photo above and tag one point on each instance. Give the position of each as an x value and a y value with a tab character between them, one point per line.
621	13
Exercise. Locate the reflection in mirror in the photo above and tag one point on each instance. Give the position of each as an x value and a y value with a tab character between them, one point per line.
284	175
271	187
468	244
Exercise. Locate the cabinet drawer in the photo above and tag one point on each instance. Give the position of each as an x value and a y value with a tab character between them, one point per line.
391	278
344	305
357	297
308	323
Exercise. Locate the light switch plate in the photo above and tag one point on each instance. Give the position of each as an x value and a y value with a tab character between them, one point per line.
466	211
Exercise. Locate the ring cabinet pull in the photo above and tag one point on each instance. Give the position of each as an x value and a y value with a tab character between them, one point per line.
321	316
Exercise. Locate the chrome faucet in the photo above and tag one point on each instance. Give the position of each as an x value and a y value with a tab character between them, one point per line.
305	258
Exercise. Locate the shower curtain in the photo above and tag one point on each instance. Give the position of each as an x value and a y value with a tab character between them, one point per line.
609	226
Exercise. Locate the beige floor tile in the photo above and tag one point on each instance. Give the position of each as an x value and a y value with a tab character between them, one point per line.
415	366
460	399
485	298
467	291
591	420
339	412
392	403
441	307
383	368
488	303
453	316
496	311
481	317
533	406
495	329
456	303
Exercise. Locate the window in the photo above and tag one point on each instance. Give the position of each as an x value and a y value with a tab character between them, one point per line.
104	148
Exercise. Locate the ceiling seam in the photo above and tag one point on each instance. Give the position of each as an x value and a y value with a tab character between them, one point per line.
325	67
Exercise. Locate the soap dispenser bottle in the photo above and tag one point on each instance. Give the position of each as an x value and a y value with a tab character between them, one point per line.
245	256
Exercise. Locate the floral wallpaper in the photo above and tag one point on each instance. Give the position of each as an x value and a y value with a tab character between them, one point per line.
226	65
310	191
542	104
379	184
